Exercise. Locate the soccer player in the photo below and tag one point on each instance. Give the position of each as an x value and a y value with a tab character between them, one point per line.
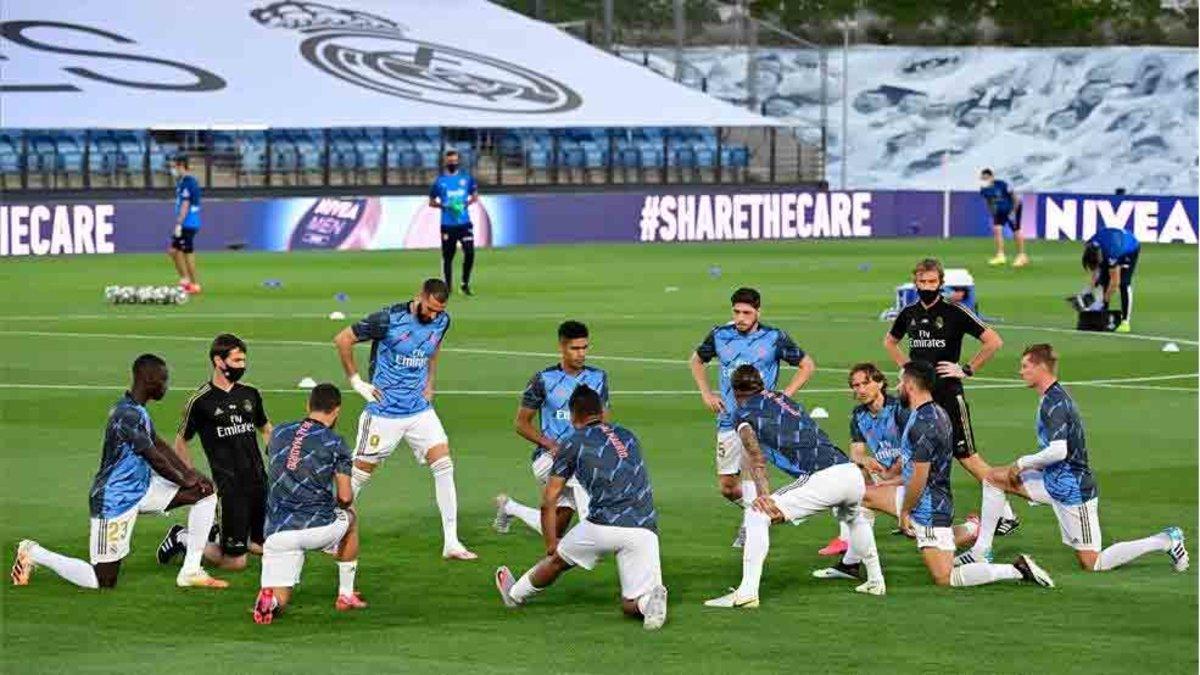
773	426
875	423
1060	475
139	473
226	414
743	341
453	192
935	330
1111	258
928	506
310	506
547	396
406	340
608	462
187	224
1005	208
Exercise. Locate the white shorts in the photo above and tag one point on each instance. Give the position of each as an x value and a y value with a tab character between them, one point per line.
729	453
283	552
573	497
1078	523
637	554
839	487
941	538
110	537
379	436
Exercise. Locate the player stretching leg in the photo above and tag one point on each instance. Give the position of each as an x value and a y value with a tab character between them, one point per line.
406	340
226	414
770	422
1060	475
547	395
876	424
928	505
607	460
935	329
743	340
139	473
309	506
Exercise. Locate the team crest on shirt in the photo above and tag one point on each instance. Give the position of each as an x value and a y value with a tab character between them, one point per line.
379	54
247	406
939	323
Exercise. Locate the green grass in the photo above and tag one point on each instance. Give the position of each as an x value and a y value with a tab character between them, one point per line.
430	615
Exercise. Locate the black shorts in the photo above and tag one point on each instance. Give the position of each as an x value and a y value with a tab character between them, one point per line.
949	395
451	236
1011	218
185	242
243	516
1127	265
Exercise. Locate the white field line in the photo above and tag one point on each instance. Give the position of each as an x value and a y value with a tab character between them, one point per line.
1000	326
998	382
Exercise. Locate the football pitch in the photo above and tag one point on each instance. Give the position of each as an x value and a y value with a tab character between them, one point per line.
67	360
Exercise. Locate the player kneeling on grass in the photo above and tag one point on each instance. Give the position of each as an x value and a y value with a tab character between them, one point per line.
607	460
928	506
877	423
309	505
548	396
1059	475
771	425
139	473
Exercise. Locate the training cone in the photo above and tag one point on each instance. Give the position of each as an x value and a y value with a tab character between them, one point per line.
337	316
819	413
307	383
1171	347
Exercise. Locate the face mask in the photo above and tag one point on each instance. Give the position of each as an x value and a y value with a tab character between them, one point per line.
233	374
928	296
452	168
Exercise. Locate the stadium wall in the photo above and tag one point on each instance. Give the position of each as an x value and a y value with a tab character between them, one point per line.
49	228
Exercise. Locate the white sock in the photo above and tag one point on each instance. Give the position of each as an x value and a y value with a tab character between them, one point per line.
843	530
993	507
524	588
74	570
200	521
980	573
754	552
1126	551
447	501
359	479
346	572
1008	512
854	551
862	543
749	493
527	514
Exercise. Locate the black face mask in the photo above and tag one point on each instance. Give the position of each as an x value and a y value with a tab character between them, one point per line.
452	168
928	296
233	374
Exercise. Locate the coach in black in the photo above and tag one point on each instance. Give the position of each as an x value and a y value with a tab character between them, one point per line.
935	328
228	416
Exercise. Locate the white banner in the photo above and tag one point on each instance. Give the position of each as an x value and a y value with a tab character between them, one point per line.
206	63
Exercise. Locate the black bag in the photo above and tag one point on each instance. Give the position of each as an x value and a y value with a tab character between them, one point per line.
1102	321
